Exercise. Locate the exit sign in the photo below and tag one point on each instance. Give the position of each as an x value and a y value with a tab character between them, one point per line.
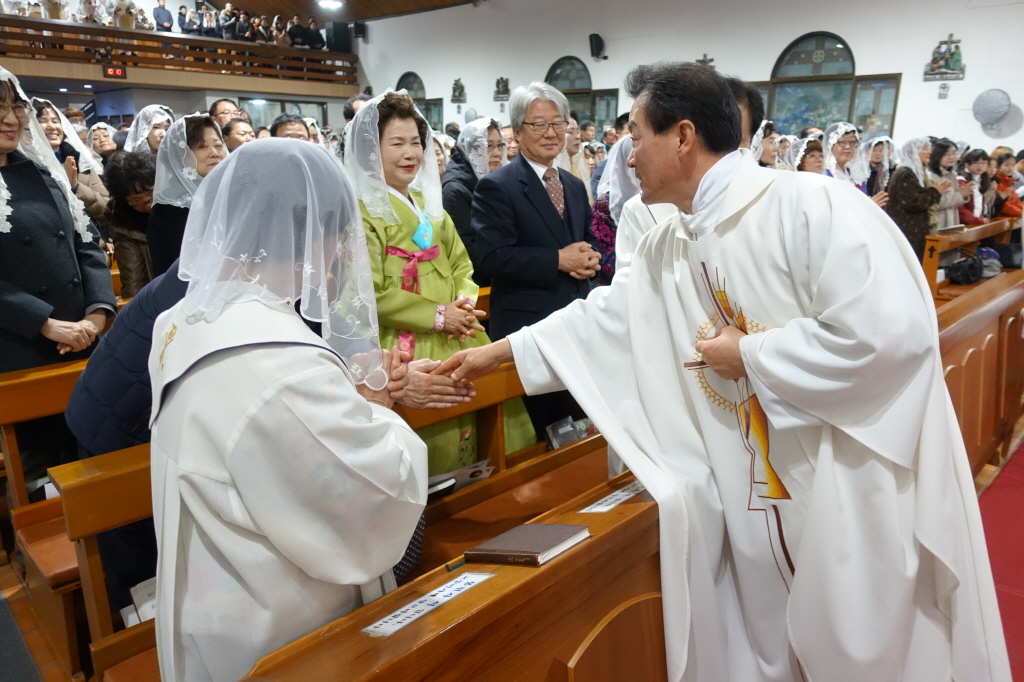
115	72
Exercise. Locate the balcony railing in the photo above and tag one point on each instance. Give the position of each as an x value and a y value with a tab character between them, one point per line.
65	41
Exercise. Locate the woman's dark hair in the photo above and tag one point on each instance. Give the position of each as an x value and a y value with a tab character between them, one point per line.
769	129
194	127
939	149
670	92
285	119
972	157
812	146
399	106
124	173
1003	158
349	111
41	106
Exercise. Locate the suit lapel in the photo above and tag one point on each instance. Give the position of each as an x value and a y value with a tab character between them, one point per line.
571	219
538	196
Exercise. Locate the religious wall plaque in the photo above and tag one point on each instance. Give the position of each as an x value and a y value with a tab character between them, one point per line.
501	90
458	92
947	62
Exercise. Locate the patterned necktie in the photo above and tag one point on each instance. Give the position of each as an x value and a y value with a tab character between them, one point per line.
554	187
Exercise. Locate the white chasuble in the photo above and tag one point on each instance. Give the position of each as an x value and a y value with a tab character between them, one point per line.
277	489
818	518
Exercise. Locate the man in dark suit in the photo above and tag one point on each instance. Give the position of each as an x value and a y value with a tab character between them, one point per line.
162	17
533	236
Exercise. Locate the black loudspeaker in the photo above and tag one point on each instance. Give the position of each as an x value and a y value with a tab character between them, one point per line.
339	38
597	47
359	29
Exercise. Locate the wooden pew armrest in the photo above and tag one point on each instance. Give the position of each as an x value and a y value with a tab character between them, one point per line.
37	512
120	646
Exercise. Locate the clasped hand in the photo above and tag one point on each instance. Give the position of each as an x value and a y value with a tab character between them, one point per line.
579	260
412	385
461	319
722	353
72	337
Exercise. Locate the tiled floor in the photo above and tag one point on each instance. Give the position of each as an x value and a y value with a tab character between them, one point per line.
21	607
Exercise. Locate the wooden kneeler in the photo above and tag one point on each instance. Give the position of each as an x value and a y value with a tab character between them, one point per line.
99	494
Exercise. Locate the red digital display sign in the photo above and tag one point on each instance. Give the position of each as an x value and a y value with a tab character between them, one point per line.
115	72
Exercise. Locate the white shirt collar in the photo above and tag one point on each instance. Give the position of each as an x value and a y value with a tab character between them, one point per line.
538	168
706	207
405	200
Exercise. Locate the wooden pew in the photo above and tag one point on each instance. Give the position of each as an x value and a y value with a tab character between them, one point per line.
983	361
524	623
966	238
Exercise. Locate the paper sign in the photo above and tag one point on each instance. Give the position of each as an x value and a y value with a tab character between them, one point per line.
615	499
391	624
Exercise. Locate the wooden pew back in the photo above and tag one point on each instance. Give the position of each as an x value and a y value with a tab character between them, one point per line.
967	238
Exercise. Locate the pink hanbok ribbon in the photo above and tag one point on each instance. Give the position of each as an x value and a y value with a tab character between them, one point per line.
411	283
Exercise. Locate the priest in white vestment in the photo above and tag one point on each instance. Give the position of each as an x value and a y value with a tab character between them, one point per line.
768	367
282	480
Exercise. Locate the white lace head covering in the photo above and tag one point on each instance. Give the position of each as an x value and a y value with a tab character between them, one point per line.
887	153
86	162
473	143
89	140
856	167
312	123
910	157
782	163
757	141
36	149
138	133
278	222
363	162
618	181
797	150
446	145
177	177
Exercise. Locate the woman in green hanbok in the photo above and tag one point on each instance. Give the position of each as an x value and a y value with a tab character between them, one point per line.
422	273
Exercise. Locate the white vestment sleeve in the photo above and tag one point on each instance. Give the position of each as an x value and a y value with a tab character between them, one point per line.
534	370
782	415
335	483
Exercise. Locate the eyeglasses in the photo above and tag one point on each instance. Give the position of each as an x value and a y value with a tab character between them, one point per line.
849	144
543	127
19	109
233	114
495	147
814	155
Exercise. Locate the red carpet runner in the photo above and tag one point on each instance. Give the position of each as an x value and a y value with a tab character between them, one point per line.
1002	511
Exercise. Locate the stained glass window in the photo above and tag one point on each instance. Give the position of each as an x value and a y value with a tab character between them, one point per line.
815	54
411	82
569	73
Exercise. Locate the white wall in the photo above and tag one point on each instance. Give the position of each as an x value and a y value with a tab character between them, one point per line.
521	39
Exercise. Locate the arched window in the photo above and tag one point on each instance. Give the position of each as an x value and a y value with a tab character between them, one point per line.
814	84
432	109
572	77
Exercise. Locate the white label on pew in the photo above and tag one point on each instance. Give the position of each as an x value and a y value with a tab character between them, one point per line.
615	499
407	614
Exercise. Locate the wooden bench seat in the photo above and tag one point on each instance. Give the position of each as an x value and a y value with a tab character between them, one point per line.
46	546
967	238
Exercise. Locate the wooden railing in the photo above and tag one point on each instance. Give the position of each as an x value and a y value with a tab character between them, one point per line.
66	41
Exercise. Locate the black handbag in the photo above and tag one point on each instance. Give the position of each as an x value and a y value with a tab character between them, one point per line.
1009	254
967	270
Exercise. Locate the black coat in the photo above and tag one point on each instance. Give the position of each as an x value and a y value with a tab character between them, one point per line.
162	15
457	196
46	270
518	236
164	232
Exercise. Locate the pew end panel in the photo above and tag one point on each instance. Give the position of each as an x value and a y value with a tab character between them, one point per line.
112	656
628	644
968	238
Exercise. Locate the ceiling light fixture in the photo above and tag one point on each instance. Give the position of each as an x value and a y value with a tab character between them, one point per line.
87	86
258	102
63	89
330	4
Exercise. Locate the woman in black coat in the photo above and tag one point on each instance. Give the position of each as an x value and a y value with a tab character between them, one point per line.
480	150
193	147
55	287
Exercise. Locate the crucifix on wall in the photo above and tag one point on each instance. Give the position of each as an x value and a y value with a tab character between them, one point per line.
706	61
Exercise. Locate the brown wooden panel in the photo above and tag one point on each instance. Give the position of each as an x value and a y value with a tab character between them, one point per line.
89	487
37	392
628	644
121	646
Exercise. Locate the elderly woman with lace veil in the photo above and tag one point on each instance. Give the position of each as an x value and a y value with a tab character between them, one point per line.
192	148
148	129
844	160
480	150
880	156
913	196
572	158
422	272
282	480
55	288
100	141
618	185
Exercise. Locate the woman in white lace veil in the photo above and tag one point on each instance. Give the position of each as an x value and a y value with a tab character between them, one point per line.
281	234
878	152
422	273
36	148
786	143
806	155
843	160
484	152
191	149
100	141
148	128
573	159
619	180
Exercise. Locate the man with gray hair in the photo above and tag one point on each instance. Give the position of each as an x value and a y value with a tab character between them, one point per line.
533	236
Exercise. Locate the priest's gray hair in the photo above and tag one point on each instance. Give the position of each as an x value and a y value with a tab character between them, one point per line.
522	97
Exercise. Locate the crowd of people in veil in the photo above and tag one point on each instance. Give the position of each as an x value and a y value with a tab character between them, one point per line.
433	224
229	23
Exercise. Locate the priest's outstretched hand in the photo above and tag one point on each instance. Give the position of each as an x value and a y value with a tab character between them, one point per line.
426	391
470	364
722	353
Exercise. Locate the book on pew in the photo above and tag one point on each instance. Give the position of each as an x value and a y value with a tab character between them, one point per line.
531	544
